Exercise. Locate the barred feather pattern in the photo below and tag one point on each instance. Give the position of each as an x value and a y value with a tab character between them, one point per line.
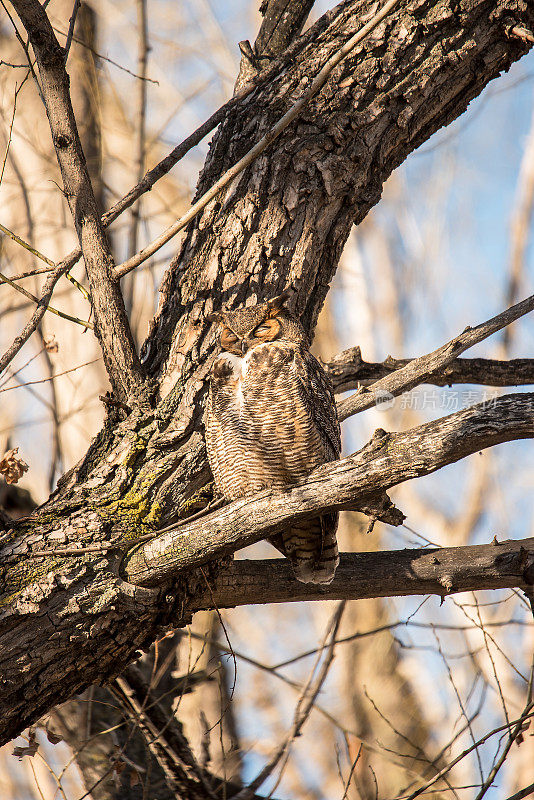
270	421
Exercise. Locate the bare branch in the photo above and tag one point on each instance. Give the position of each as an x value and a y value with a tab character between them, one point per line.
70	32
513	734
304	706
102	57
389	459
520	721
111	323
38	314
421	368
31	273
348	371
26	246
26	293
52	265
392	573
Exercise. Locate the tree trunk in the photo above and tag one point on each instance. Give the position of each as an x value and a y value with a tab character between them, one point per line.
68	622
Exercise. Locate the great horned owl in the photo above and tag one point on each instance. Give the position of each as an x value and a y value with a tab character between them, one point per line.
270	420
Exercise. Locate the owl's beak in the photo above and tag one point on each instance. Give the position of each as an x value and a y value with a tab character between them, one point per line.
244	346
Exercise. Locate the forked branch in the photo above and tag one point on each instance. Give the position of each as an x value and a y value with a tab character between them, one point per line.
418	370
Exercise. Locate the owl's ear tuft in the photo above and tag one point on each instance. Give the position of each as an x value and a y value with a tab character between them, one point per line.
277	303
215	316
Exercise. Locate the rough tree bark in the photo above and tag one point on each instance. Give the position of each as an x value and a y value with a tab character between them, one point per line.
68	622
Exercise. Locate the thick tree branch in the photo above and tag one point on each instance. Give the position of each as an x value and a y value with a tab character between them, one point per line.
389	459
502	565
349	371
283	21
418	370
111	322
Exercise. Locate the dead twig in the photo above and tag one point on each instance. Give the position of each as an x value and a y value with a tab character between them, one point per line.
520	721
70	32
30	296
304	706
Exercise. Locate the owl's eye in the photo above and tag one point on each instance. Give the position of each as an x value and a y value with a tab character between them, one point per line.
227	337
262	330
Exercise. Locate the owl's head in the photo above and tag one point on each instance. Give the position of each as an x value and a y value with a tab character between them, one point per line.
245	328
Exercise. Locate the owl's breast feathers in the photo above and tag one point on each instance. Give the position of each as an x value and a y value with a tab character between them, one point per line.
270	418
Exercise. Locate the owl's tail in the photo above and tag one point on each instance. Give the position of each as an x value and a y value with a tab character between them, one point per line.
312	549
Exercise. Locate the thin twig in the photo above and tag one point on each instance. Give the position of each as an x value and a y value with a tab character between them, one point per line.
351	773
30	296
58	375
512	736
27	246
24	46
103	57
70	33
304	706
422	754
31	326
10	134
11	375
13	66
463	754
460	704
31	273
46	260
